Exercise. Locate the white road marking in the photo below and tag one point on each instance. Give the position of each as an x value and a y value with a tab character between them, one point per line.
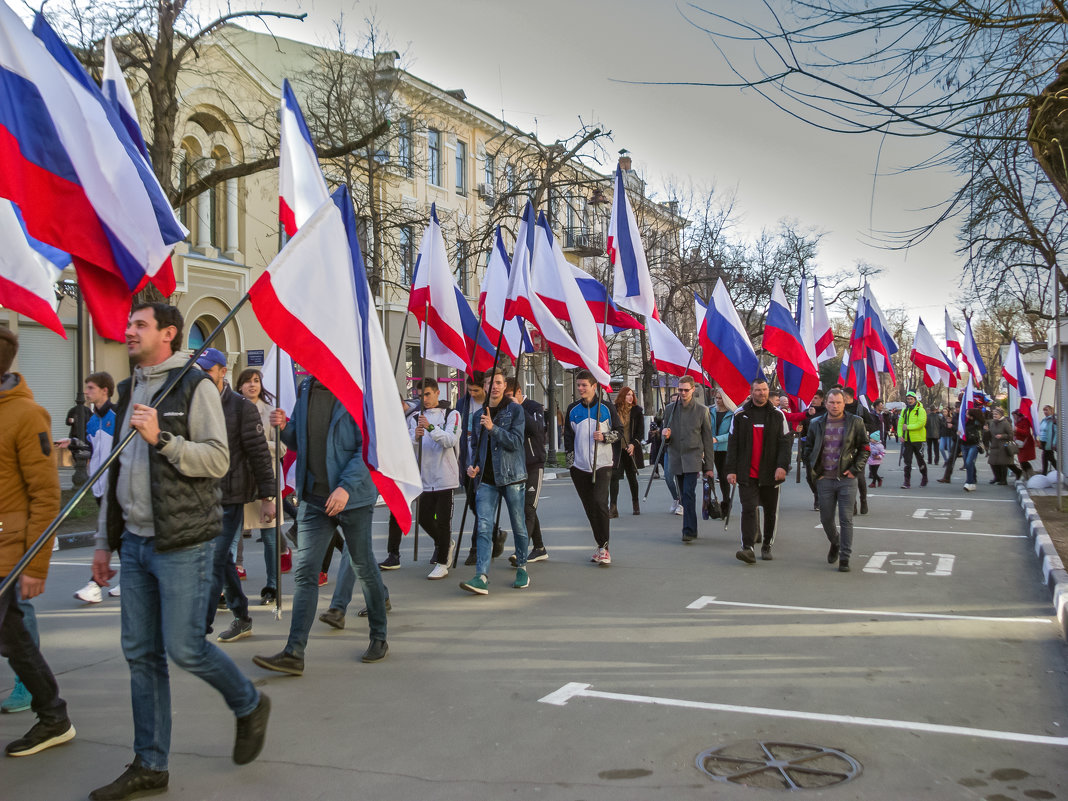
578	690
711	600
934	531
912	559
943	514
922	497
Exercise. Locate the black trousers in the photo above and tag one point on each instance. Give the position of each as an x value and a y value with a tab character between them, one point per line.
1049	459
393	539
753	497
933	453
911	449
594	497
435	518
625	466
530	505
954	452
720	459
24	656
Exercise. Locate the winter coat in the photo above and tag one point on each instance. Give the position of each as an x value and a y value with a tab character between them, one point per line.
251	473
1047	432
582	423
29	480
774	454
440	446
690	445
506	440
721	430
855	447
998	453
912	424
1022	432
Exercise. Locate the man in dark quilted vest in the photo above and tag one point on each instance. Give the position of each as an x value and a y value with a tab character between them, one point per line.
161	512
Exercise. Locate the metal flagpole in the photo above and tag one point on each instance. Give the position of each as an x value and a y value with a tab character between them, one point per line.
422	407
279	488
39	543
1060	385
604	330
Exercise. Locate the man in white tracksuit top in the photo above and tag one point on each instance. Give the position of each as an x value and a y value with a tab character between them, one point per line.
437	431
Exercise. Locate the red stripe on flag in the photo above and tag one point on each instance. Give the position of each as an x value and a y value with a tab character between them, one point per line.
13	296
287	217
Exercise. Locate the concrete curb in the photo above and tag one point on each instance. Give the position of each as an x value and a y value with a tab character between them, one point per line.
1054	575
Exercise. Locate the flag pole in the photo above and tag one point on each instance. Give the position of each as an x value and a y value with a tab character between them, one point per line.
604	331
39	543
422	408
667	422
278	491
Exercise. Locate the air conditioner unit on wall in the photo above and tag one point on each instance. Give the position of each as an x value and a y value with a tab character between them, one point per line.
485	190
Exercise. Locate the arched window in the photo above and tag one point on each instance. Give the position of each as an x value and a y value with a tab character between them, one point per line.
198	333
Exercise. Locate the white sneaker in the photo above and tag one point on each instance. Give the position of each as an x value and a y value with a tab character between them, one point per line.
440	571
674	506
55	545
969	487
114	591
90	593
679	510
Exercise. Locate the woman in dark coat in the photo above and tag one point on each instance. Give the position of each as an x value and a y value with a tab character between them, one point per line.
1001	454
629	457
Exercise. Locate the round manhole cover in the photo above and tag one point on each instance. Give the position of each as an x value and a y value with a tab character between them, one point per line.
778	766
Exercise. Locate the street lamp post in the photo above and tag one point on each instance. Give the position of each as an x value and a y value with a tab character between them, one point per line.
80	455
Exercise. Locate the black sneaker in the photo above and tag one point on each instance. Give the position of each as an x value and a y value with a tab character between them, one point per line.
333	617
137	780
689	538
843	566
41	736
537	555
500	536
832	555
363	612
765	554
239	629
268	596
281	663
391	562
251	732
375	652
746	555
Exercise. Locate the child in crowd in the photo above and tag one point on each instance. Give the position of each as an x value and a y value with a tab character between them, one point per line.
875	460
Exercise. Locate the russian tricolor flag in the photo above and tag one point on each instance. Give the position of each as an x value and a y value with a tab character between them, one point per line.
967	402
28	271
727	355
597	299
322	268
798	374
82	185
669	355
118	94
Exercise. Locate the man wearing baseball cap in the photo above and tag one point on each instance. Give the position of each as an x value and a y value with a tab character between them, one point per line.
251	476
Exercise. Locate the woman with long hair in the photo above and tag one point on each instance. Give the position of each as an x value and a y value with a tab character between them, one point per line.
629	457
250	385
722	413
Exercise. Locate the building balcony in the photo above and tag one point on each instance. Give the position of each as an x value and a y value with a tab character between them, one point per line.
583	242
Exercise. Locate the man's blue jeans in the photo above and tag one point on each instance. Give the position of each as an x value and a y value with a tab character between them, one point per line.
224	571
346	581
164	600
514	497
316	532
971	453
687	486
668	478
840	493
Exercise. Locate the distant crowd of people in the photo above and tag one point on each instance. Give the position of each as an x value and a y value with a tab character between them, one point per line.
203	470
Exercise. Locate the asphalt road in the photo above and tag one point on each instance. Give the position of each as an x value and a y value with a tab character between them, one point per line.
936	664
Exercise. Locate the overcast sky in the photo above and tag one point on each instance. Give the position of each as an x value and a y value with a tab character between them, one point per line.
547	63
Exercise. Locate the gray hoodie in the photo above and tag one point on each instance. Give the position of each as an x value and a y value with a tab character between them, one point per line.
205	454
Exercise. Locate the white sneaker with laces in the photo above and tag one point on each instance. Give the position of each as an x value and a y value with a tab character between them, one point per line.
440	571
114	591
674	507
90	593
679	510
969	487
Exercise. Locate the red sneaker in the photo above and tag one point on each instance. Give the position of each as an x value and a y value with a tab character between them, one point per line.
287	561
241	574
323	578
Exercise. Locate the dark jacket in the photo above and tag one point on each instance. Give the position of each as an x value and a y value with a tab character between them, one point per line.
857	410
467	440
344	451
855	447
534	433
185	510
506	440
251	473
775	453
637	436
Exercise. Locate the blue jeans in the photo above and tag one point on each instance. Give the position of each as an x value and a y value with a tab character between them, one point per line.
840	493
514	497
670	479
164	596
270	556
223	569
971	453
316	532
346	582
687	488
945	444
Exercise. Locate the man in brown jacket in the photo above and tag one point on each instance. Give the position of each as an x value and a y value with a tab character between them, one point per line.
29	499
